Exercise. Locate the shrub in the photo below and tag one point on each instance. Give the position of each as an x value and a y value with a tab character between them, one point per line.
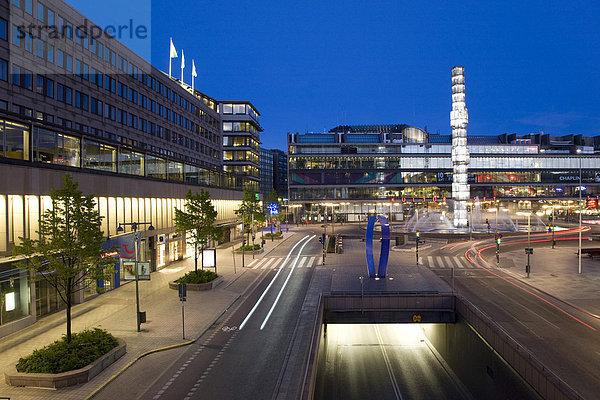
276	234
250	247
200	276
85	347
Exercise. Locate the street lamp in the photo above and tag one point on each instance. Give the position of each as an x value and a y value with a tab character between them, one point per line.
134	227
580	211
528	250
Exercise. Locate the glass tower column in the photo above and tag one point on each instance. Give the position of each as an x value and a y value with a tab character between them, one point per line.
459	118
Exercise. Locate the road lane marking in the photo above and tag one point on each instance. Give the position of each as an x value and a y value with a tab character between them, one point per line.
448	262
311	262
269	287
388	365
302	262
257	263
431	264
285	283
269	262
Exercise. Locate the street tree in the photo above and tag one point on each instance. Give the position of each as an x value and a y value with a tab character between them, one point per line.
197	221
68	253
249	210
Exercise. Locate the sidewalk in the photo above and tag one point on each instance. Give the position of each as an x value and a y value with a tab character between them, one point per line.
115	311
556	272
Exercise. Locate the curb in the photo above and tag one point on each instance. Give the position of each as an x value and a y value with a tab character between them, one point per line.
173	346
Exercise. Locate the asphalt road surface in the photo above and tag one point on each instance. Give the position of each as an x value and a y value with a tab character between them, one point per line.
560	336
243	356
382	362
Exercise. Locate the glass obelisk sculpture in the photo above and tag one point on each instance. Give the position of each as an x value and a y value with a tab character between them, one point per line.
459	118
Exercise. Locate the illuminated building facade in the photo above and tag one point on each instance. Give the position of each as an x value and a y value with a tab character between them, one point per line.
367	169
138	140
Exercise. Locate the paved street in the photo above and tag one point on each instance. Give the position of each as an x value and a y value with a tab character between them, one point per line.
115	311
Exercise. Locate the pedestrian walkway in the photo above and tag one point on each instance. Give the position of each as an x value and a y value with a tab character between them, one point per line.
447	262
115	311
277	262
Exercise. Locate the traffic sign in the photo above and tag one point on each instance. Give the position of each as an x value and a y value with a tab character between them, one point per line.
417	318
529	250
182	291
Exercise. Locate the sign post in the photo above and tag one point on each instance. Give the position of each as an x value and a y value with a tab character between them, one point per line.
182	293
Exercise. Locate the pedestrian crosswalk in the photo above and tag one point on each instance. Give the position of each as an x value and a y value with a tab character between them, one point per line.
276	262
447	262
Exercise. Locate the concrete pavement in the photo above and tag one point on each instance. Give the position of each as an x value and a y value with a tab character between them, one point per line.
115	311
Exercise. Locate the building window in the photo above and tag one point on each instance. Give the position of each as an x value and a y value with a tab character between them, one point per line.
50	88
17	35
69	62
40	11
40	48
3	70
16	138
60	58
28	43
3	29
100	156
50	53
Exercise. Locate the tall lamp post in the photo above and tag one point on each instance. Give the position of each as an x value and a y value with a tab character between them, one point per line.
134	227
580	211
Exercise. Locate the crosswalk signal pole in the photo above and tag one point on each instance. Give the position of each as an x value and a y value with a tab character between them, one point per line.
322	240
417	236
498	241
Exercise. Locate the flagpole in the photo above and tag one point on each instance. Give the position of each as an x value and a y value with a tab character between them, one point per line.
182	65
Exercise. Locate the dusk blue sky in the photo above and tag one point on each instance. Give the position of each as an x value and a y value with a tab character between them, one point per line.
311	65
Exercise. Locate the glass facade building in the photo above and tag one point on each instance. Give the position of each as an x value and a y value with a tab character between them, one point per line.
241	141
381	163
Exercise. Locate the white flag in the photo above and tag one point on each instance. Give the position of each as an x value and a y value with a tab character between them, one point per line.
182	60
173	50
194	74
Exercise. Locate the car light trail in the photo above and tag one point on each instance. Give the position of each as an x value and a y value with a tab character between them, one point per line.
474	262
270	284
285	283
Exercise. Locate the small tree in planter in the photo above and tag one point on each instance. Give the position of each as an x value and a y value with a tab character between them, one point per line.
250	211
197	219
68	253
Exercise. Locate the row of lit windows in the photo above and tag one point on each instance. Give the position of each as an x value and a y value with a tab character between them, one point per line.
20	214
57	148
499	162
379	193
239	109
65	30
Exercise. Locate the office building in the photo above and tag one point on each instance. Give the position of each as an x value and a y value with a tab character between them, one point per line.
366	168
241	141
73	99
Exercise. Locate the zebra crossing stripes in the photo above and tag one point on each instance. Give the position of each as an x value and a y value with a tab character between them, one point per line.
275	262
431	264
447	262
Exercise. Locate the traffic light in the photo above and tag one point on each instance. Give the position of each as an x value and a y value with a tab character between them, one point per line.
321	239
244	242
487	222
418	235
499	241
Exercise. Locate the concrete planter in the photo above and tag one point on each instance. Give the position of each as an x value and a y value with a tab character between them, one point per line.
267	238
198	286
65	379
250	251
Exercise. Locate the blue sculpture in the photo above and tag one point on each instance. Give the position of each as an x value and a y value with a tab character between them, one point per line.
385	246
